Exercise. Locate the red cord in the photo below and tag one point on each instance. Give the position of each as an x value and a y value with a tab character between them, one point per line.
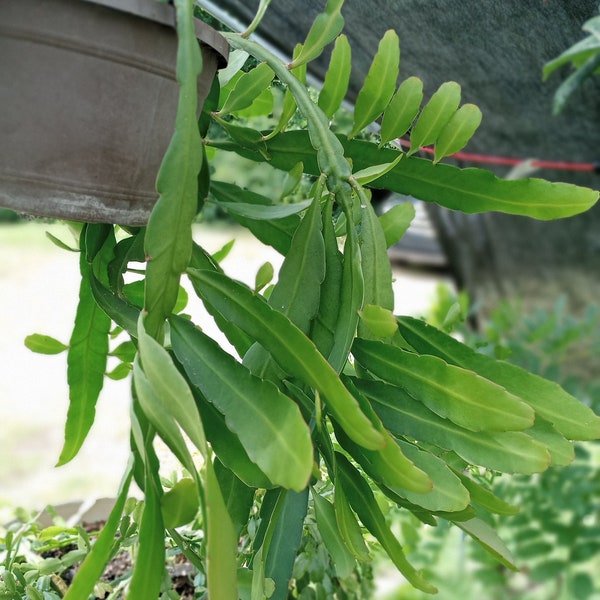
513	162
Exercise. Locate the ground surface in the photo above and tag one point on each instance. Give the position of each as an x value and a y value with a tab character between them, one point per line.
39	284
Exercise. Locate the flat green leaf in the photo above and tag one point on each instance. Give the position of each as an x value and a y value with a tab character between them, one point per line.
268	424
236	337
123	313
248	88
337	77
168	240
86	358
149	566
484	498
236	60
121	371
467	190
448	494
290	348
341	557
396	221
578	54
457	131
222	544
170	387
569	416
348	525
389	465
482	533
264	276
380	82
381	322
363	501
402	110
574	81
246	137
462	396
277	233
261	212
180	504
325	28
511	452
134	292
324	324
95	562
434	116
238	497
44	344
350	302
161	418
376	267
60	244
289	102
228	448
222	253
365	176
297	291
262	106
285	541
562	452
125	351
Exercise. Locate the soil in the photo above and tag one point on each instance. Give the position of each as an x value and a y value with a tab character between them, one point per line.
182	572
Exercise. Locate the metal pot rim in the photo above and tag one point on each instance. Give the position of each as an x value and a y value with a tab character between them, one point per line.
164	13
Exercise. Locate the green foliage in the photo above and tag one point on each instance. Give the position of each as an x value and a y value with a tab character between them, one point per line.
327	392
584	57
556	538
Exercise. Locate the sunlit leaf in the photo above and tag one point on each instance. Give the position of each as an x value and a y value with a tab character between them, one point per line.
457	131
511	452
87	354
380	82
402	110
363	501
44	344
247	88
180	504
268	424
328	528
396	221
323	31
434	116
488	538
222	543
448	494
170	387
468	190
264	276
365	176
348	525
569	416
454	393
337	77
290	348
380	321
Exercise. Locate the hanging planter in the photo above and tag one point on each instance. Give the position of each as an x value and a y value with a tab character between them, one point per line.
88	103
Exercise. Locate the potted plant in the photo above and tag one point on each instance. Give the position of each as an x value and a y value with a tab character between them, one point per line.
88	104
332	401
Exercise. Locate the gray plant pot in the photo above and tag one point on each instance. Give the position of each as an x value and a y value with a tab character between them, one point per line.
88	99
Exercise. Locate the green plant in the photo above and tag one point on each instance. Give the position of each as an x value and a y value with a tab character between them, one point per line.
584	56
332	396
556	536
